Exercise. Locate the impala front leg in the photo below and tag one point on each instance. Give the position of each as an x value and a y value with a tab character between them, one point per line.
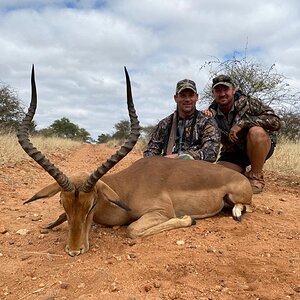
61	219
154	222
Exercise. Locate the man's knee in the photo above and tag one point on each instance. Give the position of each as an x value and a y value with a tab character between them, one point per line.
258	134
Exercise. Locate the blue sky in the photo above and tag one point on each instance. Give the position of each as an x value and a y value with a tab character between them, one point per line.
79	49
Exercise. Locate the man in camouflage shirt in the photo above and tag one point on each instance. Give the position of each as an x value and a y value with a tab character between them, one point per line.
248	130
187	133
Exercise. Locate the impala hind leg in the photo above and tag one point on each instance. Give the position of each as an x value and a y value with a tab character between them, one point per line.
240	200
154	222
237	211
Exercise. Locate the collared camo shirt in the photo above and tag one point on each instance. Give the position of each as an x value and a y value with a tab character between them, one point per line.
247	112
201	142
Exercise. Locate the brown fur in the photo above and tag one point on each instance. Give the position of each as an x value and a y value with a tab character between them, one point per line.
162	194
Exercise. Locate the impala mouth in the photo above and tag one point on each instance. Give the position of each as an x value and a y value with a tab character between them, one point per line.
73	253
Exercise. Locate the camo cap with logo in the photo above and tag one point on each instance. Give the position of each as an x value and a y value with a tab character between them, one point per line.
222	80
186	84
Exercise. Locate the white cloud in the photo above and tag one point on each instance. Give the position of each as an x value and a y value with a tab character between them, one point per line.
79	49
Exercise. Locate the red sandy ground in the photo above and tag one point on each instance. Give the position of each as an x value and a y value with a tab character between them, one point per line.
215	259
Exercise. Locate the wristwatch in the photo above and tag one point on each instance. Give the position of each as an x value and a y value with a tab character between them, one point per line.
239	123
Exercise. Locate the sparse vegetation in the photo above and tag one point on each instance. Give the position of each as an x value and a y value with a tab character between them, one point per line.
64	128
285	160
11	152
139	147
122	132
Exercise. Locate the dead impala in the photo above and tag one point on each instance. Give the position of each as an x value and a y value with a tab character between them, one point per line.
154	194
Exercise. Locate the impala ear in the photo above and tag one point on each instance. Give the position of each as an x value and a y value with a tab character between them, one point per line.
46	192
111	195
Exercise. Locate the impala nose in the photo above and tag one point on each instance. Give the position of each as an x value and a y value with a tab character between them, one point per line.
74	252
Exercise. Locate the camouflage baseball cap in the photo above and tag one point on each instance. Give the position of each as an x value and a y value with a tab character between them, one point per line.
222	80
186	84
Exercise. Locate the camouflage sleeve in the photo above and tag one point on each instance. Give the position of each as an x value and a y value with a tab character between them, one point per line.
157	140
207	139
259	114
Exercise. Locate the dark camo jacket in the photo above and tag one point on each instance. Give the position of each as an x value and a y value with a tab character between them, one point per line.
252	112
203	144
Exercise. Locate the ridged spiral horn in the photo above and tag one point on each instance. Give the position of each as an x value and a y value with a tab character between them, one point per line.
125	149
23	138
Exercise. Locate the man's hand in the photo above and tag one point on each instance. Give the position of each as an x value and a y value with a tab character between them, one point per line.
233	133
207	113
172	155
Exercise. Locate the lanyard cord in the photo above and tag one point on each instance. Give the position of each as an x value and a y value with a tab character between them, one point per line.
181	129
169	143
193	125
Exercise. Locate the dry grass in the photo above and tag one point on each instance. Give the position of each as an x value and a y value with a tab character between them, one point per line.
11	151
139	147
286	158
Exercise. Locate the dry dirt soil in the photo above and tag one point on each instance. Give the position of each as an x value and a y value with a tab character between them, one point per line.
217	258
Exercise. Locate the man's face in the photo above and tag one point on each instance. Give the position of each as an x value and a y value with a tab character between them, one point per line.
224	95
186	102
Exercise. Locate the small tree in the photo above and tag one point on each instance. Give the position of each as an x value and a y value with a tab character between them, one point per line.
66	129
83	135
147	131
11	111
254	80
123	130
291	127
103	138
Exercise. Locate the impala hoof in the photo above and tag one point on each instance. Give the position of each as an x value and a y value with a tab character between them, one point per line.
193	221
238	219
